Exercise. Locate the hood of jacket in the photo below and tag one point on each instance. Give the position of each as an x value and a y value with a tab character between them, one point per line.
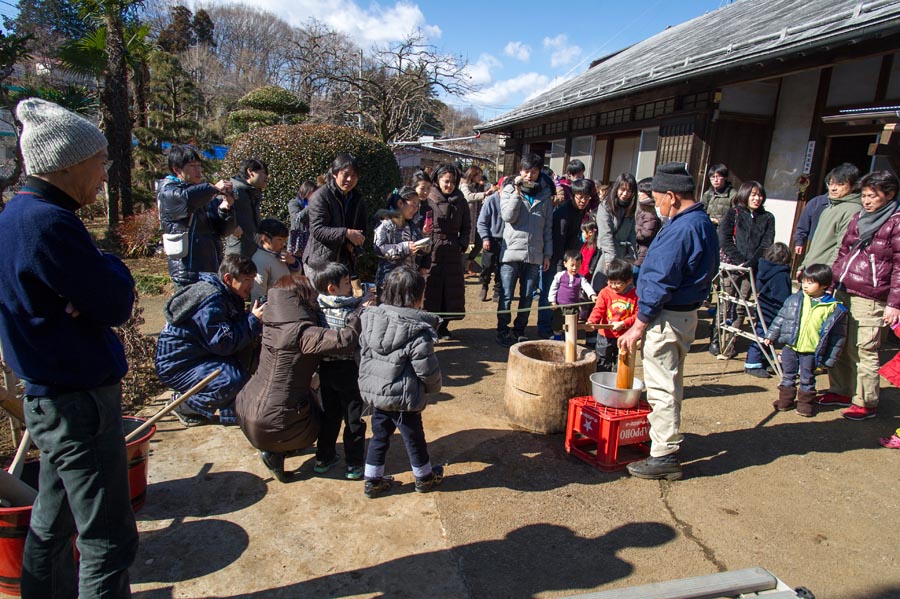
392	215
387	335
766	270
186	300
284	306
850	198
338	301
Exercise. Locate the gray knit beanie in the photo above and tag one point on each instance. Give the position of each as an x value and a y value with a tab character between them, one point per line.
674	177
54	138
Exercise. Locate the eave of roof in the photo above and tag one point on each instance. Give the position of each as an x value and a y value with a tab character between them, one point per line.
756	30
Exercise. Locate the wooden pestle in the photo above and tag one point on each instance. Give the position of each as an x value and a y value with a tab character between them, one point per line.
571	337
625	372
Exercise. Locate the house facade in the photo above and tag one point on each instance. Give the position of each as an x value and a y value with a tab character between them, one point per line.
780	91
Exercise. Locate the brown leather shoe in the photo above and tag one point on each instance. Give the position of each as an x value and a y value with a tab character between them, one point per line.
785	399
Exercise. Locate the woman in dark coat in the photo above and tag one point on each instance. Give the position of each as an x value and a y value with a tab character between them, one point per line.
445	289
276	409
746	230
337	218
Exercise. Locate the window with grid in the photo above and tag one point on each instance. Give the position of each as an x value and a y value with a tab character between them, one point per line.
557	127
584	122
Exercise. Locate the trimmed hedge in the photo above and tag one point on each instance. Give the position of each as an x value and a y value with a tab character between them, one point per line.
295	153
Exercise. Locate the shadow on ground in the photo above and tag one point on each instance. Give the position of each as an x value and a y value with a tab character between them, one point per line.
203	495
727	451
528	561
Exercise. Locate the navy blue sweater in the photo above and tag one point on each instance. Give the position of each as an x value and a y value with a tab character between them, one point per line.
50	260
680	264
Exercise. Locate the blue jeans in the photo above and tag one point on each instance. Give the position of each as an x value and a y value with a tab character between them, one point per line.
545	317
219	394
754	354
384	423
526	275
84	488
795	364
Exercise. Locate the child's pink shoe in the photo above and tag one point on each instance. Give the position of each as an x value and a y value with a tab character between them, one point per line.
892	442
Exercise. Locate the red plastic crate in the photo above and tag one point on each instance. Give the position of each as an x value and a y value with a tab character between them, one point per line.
607	438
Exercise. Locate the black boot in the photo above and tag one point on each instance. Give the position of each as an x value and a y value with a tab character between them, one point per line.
666	467
275	463
714	345
483	295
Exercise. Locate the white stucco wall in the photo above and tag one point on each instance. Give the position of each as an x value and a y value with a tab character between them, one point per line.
793	120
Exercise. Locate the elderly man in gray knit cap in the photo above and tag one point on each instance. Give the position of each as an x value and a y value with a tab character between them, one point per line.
59	298
675	279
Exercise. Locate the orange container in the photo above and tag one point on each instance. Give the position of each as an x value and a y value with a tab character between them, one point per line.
607	438
14	521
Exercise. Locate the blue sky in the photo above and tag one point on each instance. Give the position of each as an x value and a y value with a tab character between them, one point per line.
515	49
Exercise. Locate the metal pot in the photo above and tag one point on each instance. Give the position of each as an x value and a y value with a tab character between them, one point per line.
603	388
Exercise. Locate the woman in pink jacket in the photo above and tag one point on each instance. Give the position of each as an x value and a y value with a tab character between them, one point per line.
867	281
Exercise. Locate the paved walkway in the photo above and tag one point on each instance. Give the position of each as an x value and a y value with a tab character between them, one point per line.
814	500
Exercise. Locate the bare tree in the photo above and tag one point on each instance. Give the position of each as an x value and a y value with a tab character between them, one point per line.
251	44
392	91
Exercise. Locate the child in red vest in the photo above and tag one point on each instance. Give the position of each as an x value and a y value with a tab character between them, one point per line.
616	305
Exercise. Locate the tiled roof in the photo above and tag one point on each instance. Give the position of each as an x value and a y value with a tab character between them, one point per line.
743	32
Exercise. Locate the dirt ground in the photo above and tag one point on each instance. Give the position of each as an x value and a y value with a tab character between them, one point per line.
812	500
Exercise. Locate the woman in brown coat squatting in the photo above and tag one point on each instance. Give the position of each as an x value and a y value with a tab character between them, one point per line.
277	409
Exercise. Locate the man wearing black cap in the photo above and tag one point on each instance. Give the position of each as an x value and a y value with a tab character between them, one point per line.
675	279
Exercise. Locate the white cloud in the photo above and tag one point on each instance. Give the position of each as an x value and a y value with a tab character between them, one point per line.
367	26
518	50
480	71
510	90
561	52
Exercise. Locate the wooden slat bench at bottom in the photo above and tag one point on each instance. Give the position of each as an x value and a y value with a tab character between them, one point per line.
711	586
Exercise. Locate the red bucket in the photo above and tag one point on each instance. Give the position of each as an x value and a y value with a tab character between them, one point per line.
138	454
14	520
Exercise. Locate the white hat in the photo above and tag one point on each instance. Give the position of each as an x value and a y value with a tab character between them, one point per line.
54	138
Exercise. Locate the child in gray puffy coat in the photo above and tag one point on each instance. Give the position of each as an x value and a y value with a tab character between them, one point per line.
397	368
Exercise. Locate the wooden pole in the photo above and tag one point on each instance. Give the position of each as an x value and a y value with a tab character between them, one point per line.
171	406
625	373
571	337
18	462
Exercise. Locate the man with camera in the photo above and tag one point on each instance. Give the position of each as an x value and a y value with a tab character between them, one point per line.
526	207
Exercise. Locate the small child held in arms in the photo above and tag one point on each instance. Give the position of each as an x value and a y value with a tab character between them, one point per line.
590	255
271	260
812	325
338	376
617	306
397	368
398	240
568	287
646	223
773	284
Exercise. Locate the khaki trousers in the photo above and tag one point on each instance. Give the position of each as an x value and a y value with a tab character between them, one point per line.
856	372
666	344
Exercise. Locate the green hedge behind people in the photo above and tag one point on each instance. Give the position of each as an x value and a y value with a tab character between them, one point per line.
59	298
675	279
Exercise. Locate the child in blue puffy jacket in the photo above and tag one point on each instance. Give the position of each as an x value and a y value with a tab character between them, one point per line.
812	325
